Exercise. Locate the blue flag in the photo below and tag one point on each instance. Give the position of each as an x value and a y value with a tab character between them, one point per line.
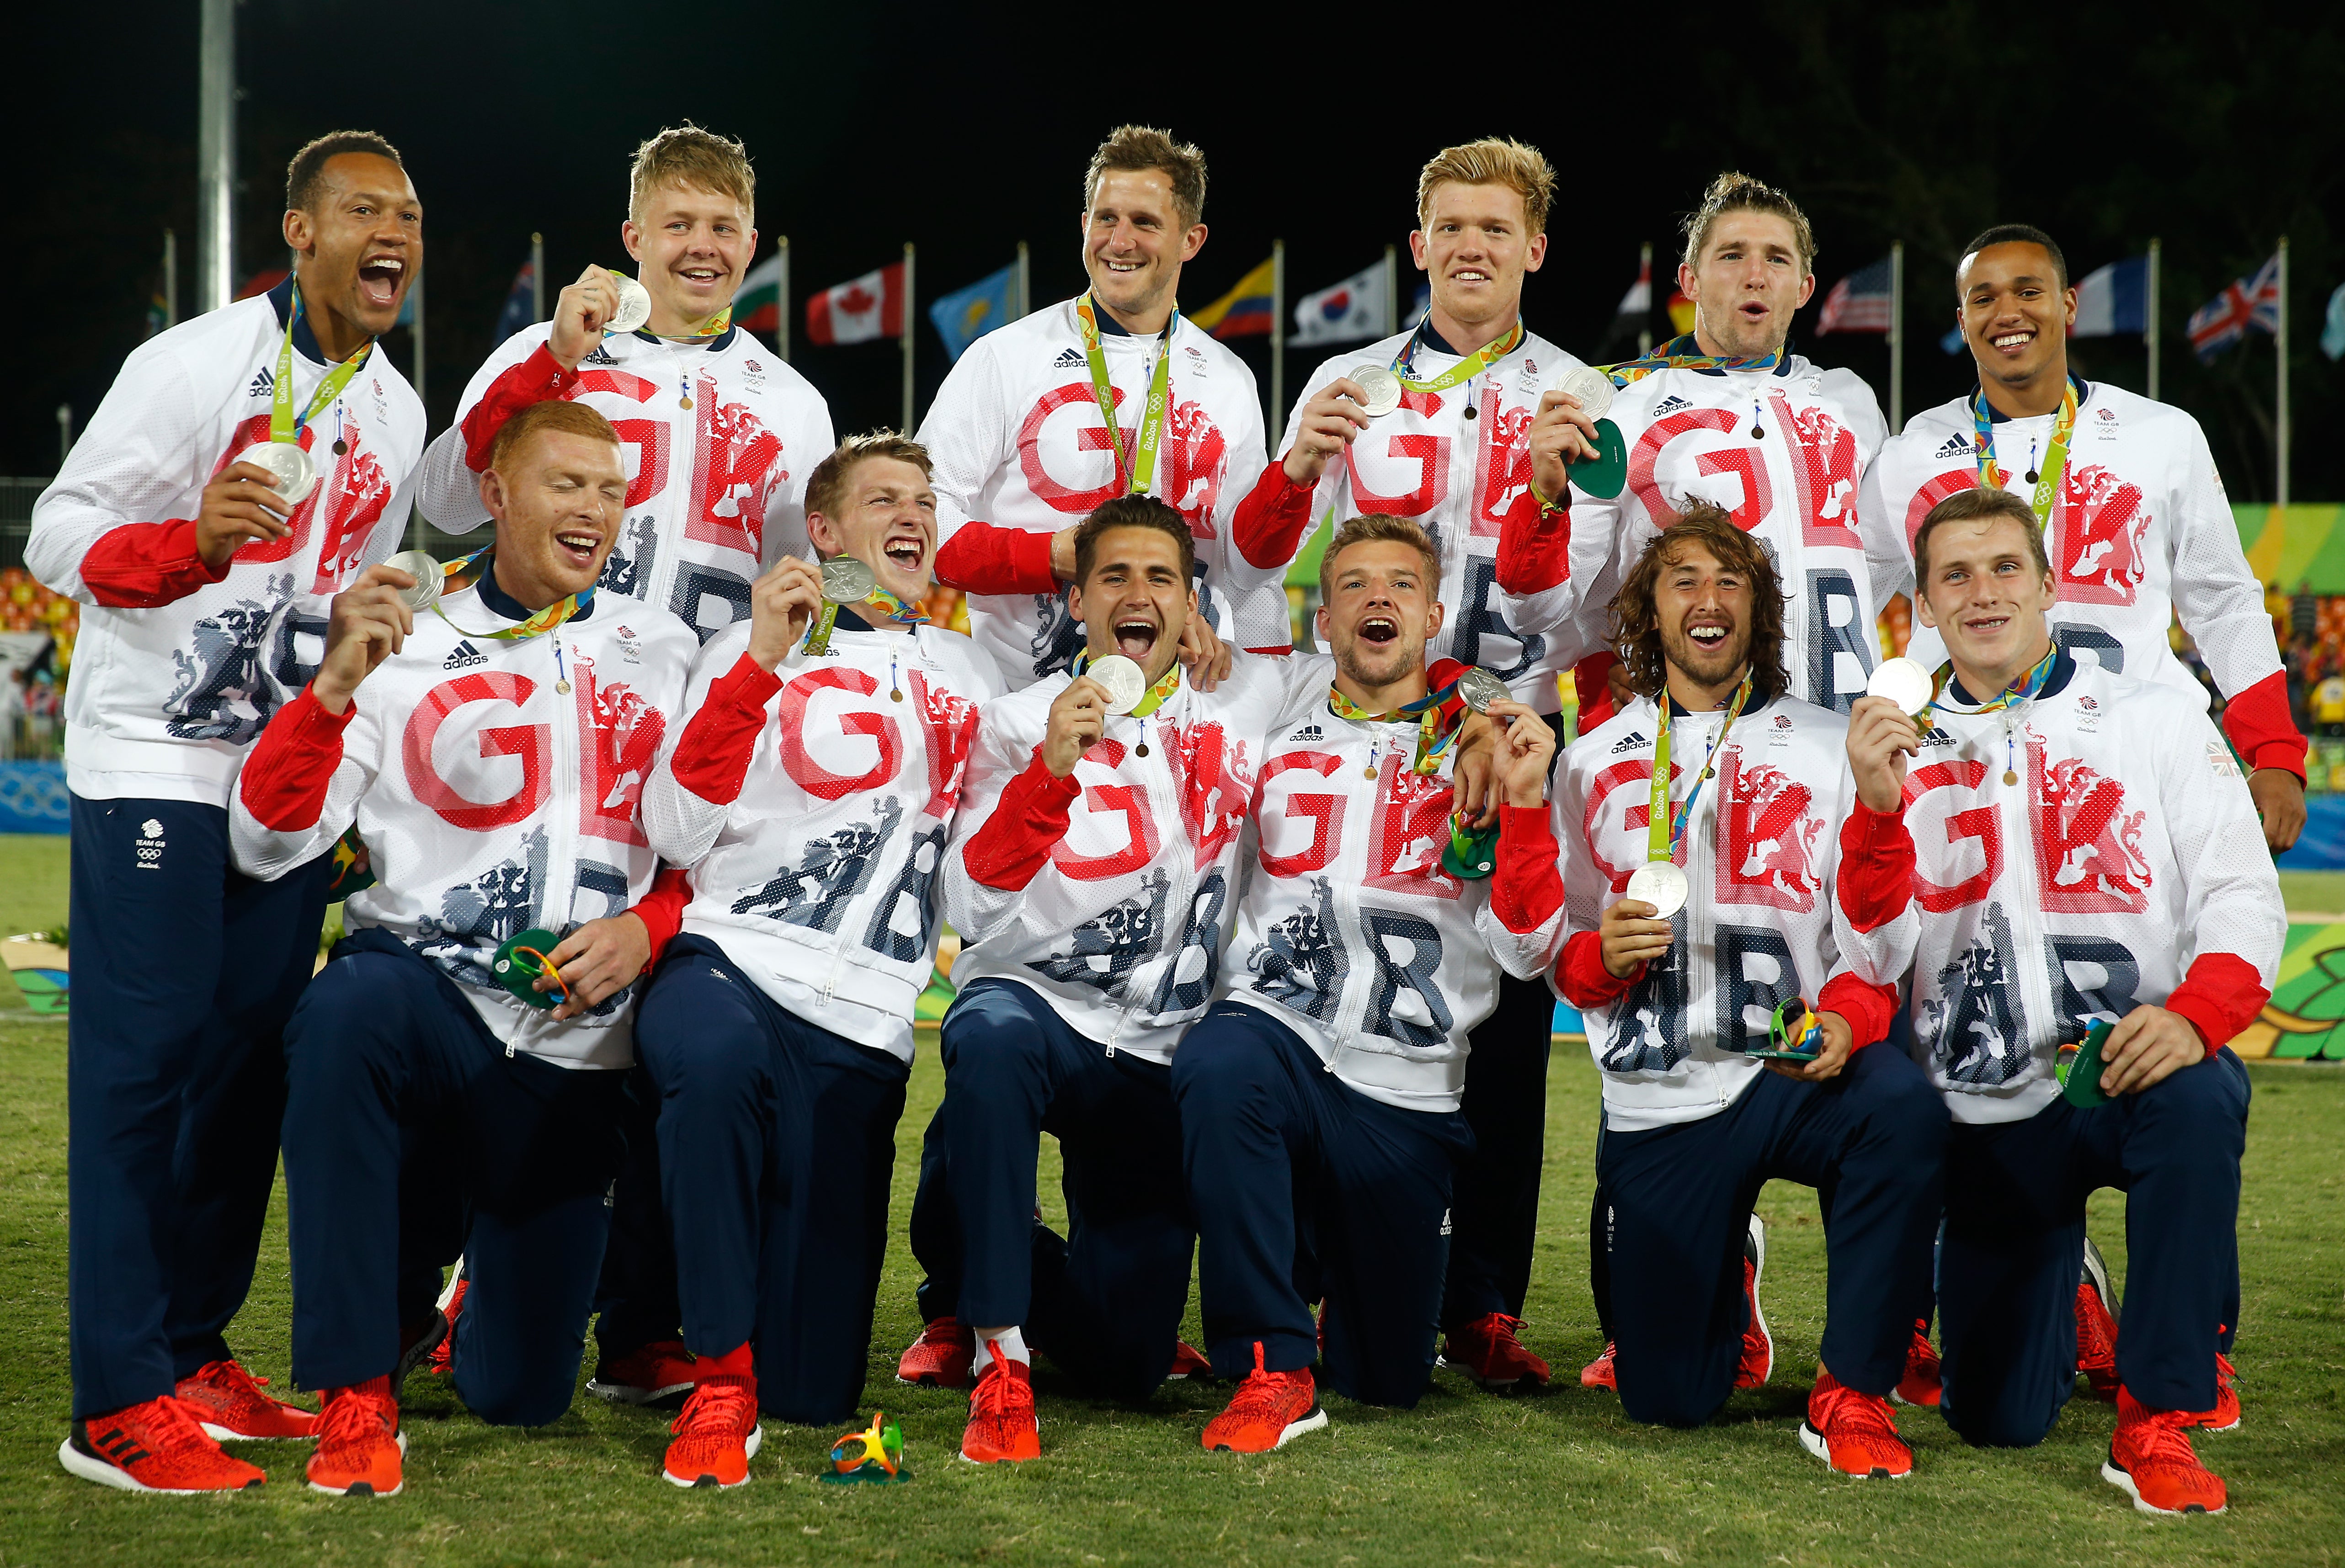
962	318
521	303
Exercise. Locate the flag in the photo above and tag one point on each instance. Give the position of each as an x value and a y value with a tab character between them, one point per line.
758	306
2247	302
1245	311
1359	307
262	282
2332	334
1858	302
859	311
520	308
2114	302
962	318
1637	305
1680	312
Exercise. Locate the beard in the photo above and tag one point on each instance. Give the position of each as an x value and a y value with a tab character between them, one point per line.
1374	664
1710	666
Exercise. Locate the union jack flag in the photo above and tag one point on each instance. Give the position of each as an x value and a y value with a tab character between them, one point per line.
2247	302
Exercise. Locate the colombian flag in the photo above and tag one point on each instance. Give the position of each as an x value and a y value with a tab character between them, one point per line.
1245	311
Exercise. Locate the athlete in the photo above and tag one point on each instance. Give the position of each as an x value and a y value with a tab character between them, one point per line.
1477	413
2127	495
811	795
490	751
2085	853
1092	893
1740	785
720	433
183	550
1319	1099
1024	453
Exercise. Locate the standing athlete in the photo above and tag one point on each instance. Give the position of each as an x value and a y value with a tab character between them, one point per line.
2086	855
168	525
719	433
2128	500
1458	456
1022	440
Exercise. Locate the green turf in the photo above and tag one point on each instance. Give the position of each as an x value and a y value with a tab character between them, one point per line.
2323	891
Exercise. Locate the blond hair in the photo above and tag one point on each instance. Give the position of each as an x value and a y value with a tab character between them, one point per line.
1373	526
1132	149
1493	160
685	155
826	486
1734	192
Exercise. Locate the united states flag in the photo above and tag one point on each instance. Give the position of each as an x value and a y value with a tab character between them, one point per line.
1859	302
2247	302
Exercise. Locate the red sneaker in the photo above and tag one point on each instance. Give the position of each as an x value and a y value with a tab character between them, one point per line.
1758	1344
452	1306
228	1401
1001	1414
2151	1461
156	1445
940	1357
2097	1324
360	1445
646	1375
717	1435
1599	1373
1188	1361
1921	1383
1853	1433
1488	1351
2225	1416
1269	1411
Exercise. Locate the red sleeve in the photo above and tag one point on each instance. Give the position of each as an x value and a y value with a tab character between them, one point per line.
1534	544
1030	816
2258	723
1526	889
141	565
1868	1009
1582	977
662	911
2220	997
1271	521
284	781
713	757
983	558
540	378
1592	678
1876	866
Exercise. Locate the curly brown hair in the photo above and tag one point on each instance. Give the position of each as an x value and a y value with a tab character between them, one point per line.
1636	625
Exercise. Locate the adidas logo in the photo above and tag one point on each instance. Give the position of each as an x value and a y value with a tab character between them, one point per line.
1308	732
263	384
1671	405
463	658
1938	737
1068	359
1958	446
1631	741
598	355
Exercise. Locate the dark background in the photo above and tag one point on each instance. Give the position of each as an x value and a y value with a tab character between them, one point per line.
2216	128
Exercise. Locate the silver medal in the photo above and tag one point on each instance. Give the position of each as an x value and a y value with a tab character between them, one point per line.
1592	386
291	473
1903	682
1380	386
430	582
846	581
1661	884
1122	680
1477	689
634	305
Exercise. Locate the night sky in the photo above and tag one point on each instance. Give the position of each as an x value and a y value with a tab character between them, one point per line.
966	129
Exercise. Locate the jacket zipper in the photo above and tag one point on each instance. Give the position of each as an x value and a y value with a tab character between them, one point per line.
561	802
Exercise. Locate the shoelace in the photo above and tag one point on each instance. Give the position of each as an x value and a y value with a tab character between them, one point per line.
998	1394
2157	1438
1848	1407
231	1371
353	1418
714	1408
176	1431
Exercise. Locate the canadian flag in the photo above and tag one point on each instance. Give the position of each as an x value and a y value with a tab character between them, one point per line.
857	311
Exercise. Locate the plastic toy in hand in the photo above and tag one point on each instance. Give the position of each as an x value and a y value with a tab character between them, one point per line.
1794	1034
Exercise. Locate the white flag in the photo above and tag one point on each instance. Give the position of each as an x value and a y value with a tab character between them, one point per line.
1359	307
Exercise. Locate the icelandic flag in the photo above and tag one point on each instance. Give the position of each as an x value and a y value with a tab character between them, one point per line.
521	303
758	306
1858	302
1357	308
2114	302
962	318
2247	302
859	310
1245	311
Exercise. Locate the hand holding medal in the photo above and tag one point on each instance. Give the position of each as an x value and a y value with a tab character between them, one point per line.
1336	417
1573	444
1886	728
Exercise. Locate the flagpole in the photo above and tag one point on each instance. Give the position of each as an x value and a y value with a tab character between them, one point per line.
1645	271
2151	331
417	329
1897	337
781	322
1025	305
1391	291
909	317
537	277
216	156
2281	338
170	278
1277	334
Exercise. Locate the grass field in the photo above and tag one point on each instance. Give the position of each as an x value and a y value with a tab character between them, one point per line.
1465	1478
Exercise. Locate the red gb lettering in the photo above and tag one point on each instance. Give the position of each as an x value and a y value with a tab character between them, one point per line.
791	739
1212	782
1634	822
1972	822
1824	469
649	438
1410	830
738	457
1431	455
949	723
1088	438
1758	496
1323	812
1194	456
533	743
1938	489
620	739
2088	851
1502	464
2101	520
1771	838
1140	841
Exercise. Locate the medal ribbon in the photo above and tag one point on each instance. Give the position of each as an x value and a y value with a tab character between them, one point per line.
1135	470
817	637
1166	684
1437	727
711	327
1685	354
2056	456
2018	691
1662	833
1466	369
465	572
284	425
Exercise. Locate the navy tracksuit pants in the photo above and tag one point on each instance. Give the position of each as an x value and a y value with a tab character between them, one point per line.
411	1135
777	1148
2014	1242
186	973
1305	1189
1106	1307
1495	1205
1871	1142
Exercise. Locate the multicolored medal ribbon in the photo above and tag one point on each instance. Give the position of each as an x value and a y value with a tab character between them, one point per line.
1465	370
472	569
2023	689
1149	700
1685	354
2047	478
1135	470
1436	717
1662	882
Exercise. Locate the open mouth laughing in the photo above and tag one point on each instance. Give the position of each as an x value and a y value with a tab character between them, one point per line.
907	551
1379	630
380	276
577	545
1135	637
